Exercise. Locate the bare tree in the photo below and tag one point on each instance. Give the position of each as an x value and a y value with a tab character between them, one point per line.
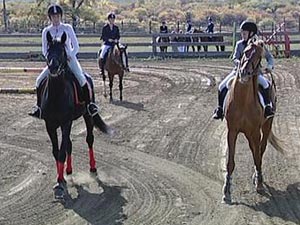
5	16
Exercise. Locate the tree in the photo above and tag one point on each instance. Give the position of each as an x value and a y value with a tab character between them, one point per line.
5	17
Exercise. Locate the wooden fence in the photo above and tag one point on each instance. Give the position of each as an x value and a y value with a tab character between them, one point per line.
28	46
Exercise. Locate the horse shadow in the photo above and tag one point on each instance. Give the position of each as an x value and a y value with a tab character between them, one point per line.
129	105
98	208
281	204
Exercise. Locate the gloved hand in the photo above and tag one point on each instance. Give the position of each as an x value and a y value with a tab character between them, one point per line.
268	69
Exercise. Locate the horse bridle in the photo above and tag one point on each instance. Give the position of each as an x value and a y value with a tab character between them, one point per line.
255	66
62	65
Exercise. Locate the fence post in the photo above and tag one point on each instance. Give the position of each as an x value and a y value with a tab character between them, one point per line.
233	38
154	45
150	28
177	26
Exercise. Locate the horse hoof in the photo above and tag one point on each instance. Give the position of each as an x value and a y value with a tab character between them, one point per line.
59	191
260	188
105	95
93	171
226	200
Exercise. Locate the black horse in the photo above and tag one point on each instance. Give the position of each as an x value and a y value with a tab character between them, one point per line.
163	48
61	103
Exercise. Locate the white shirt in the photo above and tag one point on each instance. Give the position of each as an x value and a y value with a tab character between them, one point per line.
71	43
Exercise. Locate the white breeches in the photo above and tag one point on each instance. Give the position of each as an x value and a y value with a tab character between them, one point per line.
104	49
75	68
261	80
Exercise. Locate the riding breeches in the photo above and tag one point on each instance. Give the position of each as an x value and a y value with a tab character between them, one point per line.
75	68
261	81
104	50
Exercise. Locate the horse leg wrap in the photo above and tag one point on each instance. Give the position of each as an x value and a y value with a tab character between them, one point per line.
69	165
92	159
60	171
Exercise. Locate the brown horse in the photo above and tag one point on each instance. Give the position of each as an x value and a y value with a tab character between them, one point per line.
163	48
213	39
116	63
244	114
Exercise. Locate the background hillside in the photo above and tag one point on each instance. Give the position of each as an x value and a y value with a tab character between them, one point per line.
139	15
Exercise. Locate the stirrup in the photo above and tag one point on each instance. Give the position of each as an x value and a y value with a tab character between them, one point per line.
92	109
36	112
218	113
268	112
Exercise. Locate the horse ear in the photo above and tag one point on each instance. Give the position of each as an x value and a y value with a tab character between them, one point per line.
49	37
63	38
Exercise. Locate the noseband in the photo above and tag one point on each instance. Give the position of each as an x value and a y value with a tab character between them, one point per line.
60	59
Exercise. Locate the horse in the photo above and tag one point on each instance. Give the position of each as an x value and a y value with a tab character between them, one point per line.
116	63
61	103
197	39
163	48
244	114
213	39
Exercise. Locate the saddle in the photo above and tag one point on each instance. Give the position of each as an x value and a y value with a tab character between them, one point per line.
77	90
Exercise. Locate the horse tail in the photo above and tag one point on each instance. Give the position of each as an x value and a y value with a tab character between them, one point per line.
101	125
276	142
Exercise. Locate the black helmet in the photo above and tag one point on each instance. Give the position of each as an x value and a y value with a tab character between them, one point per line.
55	9
249	26
111	16
209	19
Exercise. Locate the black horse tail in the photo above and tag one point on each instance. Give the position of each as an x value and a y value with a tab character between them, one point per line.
102	126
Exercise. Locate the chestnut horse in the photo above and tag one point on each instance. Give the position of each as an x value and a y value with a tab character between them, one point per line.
244	114
115	63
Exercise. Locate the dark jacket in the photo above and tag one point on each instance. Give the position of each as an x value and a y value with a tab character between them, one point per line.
163	29
107	33
210	28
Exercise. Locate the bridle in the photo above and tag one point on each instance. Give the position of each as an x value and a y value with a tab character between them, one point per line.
61	59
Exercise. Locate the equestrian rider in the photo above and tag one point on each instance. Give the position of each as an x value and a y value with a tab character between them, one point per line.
210	26
163	28
56	29
110	36
189	27
248	30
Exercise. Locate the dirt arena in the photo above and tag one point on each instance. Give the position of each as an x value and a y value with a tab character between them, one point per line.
165	164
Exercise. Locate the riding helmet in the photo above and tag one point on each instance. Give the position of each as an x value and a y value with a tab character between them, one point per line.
111	16
249	26
55	9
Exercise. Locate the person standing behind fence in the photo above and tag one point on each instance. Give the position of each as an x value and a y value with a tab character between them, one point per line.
111	36
163	28
189	27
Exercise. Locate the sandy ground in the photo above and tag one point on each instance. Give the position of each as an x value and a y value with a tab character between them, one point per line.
165	164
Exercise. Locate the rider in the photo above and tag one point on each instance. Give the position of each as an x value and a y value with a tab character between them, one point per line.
189	26
248	30
210	26
163	28
110	36
56	29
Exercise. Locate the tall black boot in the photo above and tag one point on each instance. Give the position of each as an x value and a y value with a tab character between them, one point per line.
218	113
91	107
36	110
268	113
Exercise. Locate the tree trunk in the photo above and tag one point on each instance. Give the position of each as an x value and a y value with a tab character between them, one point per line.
5	17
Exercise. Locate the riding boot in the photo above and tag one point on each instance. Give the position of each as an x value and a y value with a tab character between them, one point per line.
268	113
218	113
36	110
91	107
